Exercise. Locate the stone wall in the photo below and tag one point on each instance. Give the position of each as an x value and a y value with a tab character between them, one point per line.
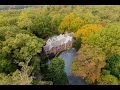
60	48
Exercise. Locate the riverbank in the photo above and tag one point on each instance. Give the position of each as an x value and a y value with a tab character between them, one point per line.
68	58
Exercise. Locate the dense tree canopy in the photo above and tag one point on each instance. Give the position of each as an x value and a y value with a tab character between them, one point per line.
88	63
22	46
108	39
23	33
70	23
85	31
113	65
18	77
107	80
56	72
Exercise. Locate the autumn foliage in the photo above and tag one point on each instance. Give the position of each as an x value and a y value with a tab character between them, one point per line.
108	39
23	33
86	30
88	63
70	23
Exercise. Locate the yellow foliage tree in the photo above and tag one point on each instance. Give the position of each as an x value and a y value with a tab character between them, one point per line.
86	30
70	23
24	20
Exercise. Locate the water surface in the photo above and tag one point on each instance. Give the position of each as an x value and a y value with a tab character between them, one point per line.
68	58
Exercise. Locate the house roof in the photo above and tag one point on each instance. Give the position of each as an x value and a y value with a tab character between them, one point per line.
56	41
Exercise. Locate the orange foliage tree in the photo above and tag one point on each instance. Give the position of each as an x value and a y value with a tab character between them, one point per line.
88	63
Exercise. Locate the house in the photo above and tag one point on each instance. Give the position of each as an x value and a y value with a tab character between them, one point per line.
59	43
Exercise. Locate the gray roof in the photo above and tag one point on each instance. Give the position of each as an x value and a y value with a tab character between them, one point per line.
57	41
55	44
46	47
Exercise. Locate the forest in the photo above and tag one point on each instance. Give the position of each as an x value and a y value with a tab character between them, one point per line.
24	32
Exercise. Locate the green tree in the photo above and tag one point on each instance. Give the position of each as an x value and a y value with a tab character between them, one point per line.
22	46
35	63
105	72
7	31
55	21
25	21
18	77
107	39
42	26
107	80
56	71
8	20
77	43
6	66
113	65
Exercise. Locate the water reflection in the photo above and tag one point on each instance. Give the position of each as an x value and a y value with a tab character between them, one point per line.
68	57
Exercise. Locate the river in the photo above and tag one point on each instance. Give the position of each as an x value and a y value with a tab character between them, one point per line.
68	58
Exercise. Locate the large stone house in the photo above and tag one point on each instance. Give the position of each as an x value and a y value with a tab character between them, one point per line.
59	43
